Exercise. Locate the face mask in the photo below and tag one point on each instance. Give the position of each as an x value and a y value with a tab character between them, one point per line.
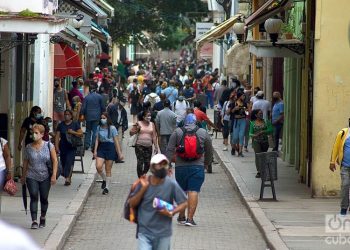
37	137
49	124
67	117
160	173
103	121
38	116
275	99
56	85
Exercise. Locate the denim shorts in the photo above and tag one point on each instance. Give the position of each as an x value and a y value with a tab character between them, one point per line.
190	178
106	150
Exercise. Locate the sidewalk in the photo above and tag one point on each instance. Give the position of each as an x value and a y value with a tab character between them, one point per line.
65	204
295	221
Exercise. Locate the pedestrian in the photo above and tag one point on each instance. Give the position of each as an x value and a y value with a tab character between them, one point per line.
76	101
166	124
219	91
253	98
92	109
135	98
60	103
147	138
239	126
226	120
154	227
119	117
341	156
158	106
277	117
5	164
171	92
74	92
36	174
189	93
26	132
190	164
263	105
259	131
107	150
200	115
64	146
179	108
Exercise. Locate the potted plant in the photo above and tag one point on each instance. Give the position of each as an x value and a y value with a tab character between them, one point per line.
287	30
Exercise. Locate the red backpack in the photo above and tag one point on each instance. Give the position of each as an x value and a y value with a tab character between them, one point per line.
189	148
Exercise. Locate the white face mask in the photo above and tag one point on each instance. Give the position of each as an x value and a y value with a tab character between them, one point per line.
37	137
148	118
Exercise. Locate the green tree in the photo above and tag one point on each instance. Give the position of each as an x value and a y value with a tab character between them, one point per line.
165	19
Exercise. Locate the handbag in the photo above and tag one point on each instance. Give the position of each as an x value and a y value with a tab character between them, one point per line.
10	187
74	140
50	167
133	139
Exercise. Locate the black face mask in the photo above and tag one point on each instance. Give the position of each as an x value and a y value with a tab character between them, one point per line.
56	85
274	99
160	173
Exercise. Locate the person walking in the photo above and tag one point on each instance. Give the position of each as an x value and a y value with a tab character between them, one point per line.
226	120
259	130
179	108
147	138
75	91
263	105
76	108
107	150
277	117
189	93
26	132
63	144
37	156
239	126
60	103
171	92
219	92
154	227
341	156
166	124
135	106
92	109
190	165
5	164
119	117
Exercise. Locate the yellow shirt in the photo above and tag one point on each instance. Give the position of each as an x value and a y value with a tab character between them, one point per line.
338	147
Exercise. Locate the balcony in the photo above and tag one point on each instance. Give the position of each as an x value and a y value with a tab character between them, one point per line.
45	7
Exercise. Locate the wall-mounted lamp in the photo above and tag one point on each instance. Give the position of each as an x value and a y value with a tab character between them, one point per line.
273	26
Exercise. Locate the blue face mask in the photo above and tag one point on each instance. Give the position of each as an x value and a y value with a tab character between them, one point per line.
103	121
38	116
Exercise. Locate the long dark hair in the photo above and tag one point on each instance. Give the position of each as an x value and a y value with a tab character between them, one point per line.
142	114
33	110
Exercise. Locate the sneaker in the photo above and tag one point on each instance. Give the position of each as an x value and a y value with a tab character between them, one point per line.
103	186
233	152
246	149
181	220
105	191
225	149
42	222
34	225
258	175
343	211
240	154
190	223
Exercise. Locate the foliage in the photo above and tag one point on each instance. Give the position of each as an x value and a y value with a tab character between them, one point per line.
28	13
165	19
288	26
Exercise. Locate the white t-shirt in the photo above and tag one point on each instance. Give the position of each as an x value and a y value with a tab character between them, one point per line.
180	110
264	105
2	159
253	99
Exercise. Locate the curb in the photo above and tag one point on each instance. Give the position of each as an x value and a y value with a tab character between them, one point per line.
60	233
268	230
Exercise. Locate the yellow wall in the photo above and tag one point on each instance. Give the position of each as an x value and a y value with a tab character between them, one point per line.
331	89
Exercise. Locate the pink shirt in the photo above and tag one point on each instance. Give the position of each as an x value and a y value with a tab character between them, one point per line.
145	137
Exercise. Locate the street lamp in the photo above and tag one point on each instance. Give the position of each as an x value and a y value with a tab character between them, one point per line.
273	26
238	29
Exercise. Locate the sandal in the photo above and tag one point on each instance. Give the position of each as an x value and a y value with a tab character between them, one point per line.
34	225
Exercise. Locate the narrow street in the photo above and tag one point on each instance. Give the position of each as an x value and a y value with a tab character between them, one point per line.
223	221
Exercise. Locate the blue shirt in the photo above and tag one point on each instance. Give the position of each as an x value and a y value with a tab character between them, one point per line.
103	134
171	94
188	93
346	158
92	107
277	110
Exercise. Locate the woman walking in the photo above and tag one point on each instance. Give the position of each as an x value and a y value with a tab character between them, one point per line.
239	115
63	143
36	175
134	98
5	164
107	150
147	137
259	130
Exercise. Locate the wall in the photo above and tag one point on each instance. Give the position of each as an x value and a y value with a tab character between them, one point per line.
331	89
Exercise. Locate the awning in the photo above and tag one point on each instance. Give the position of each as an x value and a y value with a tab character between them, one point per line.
218	31
94	7
38	25
283	48
267	10
80	36
88	7
66	62
101	33
238	59
105	5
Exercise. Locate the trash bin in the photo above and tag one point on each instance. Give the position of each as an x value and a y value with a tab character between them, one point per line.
266	161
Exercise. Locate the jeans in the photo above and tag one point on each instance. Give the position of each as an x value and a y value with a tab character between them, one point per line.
246	135
91	128
143	155
164	139
277	134
147	242
67	160
239	131
345	185
35	188
210	100
259	147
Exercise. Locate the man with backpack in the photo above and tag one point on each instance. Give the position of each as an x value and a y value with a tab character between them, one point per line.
179	108
193	151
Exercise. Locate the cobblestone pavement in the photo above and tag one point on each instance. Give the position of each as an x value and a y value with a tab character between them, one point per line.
223	222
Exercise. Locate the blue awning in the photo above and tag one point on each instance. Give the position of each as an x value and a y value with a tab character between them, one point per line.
99	12
102	31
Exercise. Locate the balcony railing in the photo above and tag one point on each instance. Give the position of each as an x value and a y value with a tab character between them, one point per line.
46	7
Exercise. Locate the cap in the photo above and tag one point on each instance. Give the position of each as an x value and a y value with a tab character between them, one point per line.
260	93
158	158
181	98
97	69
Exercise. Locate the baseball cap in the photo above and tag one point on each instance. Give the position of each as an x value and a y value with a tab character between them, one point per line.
260	93
158	158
